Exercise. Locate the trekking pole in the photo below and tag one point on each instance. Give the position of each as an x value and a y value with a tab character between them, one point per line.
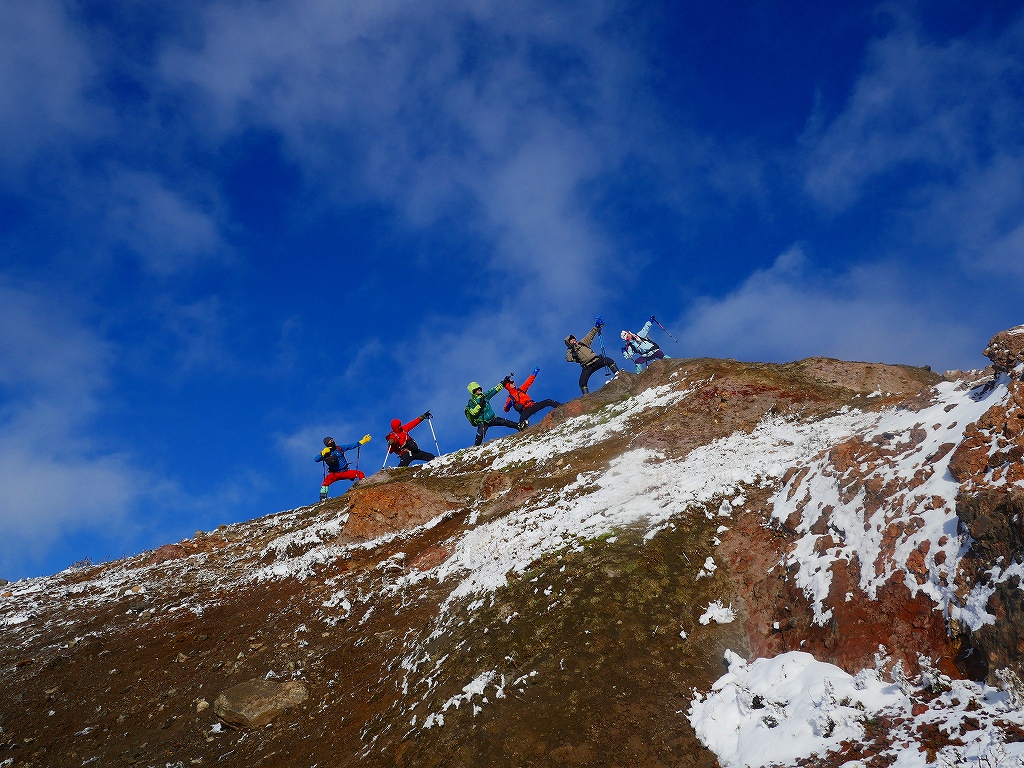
664	329
430	423
386	456
600	335
358	448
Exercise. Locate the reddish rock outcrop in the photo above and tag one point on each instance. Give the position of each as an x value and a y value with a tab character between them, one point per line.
165	553
396	507
993	447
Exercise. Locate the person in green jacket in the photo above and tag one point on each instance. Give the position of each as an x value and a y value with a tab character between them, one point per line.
480	413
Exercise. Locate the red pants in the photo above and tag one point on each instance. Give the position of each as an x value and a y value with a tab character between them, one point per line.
348	474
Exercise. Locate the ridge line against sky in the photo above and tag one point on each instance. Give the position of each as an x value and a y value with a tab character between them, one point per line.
229	228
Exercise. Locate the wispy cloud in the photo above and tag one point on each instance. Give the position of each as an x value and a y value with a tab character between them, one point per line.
167	233
932	111
489	117
46	71
795	310
55	478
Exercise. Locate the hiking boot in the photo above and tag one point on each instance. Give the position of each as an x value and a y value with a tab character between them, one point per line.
584	390
523	424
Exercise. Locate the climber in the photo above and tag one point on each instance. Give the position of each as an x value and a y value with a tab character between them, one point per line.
640	348
336	466
591	362
522	402
481	415
401	444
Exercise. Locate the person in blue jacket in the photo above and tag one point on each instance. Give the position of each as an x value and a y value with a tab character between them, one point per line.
336	466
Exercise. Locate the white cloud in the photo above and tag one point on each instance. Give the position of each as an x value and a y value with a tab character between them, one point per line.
937	109
872	313
54	478
45	72
489	116
167	233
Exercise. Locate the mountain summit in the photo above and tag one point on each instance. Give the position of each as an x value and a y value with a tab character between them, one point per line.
709	562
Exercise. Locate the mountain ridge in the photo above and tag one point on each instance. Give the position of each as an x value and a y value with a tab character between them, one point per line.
564	596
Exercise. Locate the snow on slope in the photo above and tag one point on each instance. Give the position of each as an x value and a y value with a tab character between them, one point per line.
777	711
640	487
898	458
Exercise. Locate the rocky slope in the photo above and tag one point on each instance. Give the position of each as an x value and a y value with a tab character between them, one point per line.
593	591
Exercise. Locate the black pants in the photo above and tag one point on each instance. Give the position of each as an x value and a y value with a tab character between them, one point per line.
405	458
497	421
593	367
529	410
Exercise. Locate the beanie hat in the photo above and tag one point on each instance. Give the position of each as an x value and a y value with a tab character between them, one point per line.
328	440
396	424
472	386
569	340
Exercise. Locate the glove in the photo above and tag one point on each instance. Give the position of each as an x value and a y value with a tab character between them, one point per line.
598	322
426	415
536	371
653	320
506	380
364	440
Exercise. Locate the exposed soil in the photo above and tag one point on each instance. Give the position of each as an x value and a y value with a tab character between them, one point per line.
585	646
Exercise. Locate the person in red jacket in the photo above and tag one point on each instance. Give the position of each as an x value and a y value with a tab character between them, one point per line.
401	444
522	402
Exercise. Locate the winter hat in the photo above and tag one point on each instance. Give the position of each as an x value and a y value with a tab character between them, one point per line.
396	424
473	386
569	340
328	440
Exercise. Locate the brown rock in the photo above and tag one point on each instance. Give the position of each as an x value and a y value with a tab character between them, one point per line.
969	459
255	703
165	553
494	484
381	509
429	558
1006	349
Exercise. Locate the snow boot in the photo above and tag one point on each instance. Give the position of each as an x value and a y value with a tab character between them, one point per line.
323	493
523	424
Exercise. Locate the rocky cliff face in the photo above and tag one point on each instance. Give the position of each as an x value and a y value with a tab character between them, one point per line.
566	596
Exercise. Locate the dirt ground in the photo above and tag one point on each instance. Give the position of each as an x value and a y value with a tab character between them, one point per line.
120	664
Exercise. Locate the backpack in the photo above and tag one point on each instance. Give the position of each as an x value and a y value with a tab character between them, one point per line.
333	461
473	411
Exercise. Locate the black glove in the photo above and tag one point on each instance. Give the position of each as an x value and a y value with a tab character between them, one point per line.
653	320
506	380
426	415
598	323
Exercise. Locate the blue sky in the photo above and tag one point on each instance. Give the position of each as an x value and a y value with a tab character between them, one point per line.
230	228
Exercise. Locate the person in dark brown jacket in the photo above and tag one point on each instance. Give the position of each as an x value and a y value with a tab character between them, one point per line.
579	351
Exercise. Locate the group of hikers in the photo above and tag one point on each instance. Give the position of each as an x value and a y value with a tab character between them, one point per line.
638	348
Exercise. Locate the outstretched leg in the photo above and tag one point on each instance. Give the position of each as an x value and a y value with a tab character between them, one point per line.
333	477
418	455
538	406
498	421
